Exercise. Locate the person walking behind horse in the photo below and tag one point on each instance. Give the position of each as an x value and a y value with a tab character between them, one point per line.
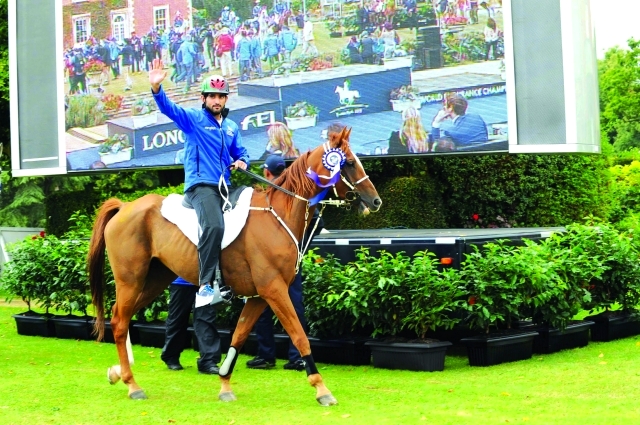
182	296
212	144
273	166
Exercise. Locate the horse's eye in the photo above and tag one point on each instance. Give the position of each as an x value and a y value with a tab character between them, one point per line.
351	163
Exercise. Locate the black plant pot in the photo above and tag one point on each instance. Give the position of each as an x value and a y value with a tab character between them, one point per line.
73	327
152	334
335	34
499	347
31	323
347	351
428	357
251	345
108	332
614	325
551	340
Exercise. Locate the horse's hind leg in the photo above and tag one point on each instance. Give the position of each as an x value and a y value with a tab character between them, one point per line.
129	299
281	305
249	316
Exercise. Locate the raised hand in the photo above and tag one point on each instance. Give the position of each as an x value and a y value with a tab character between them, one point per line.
157	74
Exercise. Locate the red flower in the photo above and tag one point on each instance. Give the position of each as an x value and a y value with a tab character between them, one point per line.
475	217
472	300
42	234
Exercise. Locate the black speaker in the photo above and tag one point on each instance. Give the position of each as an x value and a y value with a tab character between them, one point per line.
430	37
431	58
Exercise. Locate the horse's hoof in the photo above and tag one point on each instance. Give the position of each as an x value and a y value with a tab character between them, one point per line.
227	397
112	376
138	395
327	400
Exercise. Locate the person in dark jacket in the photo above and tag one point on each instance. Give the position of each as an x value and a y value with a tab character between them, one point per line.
182	296
273	166
367	46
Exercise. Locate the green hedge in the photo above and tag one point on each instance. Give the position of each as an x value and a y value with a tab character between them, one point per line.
522	190
61	205
412	202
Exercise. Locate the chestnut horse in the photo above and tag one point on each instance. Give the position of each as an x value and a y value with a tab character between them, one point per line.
147	252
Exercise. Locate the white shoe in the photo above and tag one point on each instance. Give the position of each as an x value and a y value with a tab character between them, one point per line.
204	296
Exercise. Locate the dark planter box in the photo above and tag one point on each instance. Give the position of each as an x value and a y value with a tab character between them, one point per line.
73	327
551	340
427	357
499	347
613	325
251	345
151	334
108	332
30	323
335	34
346	351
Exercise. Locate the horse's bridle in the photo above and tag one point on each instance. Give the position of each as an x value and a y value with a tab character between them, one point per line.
352	196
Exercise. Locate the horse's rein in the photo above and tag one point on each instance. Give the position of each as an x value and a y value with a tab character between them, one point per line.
270	183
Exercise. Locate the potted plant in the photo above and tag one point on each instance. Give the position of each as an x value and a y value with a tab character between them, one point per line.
93	68
379	294
69	288
405	97
435	297
301	115
117	148
112	102
615	293
350	25
558	278
143	112
497	289
334	26
25	276
333	334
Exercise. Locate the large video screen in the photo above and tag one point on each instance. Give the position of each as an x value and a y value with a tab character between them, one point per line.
387	70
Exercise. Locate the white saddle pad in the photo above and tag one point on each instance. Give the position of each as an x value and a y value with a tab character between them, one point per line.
187	221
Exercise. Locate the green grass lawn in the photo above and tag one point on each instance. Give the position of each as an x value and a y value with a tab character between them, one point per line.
52	381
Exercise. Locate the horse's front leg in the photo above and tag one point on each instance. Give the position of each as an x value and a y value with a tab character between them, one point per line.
249	316
280	303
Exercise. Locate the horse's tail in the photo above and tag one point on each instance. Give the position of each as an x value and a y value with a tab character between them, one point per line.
95	261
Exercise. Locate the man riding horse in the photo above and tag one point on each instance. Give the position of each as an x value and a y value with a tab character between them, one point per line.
212	144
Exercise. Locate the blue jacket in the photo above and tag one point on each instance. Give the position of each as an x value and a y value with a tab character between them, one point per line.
209	148
289	40
243	49
271	45
181	281
464	130
256	48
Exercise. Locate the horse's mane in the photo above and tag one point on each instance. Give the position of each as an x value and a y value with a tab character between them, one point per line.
295	179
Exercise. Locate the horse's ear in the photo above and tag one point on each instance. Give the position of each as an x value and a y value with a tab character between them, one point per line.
342	141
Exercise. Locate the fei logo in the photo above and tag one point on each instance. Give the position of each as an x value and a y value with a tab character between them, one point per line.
348	99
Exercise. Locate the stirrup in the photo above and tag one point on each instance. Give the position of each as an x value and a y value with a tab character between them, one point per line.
220	295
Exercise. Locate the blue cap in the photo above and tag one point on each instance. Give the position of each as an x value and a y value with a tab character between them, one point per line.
275	164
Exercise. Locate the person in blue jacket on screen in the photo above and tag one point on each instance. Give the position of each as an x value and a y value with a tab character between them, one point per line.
212	145
454	122
182	296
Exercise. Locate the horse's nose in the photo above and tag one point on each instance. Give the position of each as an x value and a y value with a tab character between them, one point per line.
377	203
